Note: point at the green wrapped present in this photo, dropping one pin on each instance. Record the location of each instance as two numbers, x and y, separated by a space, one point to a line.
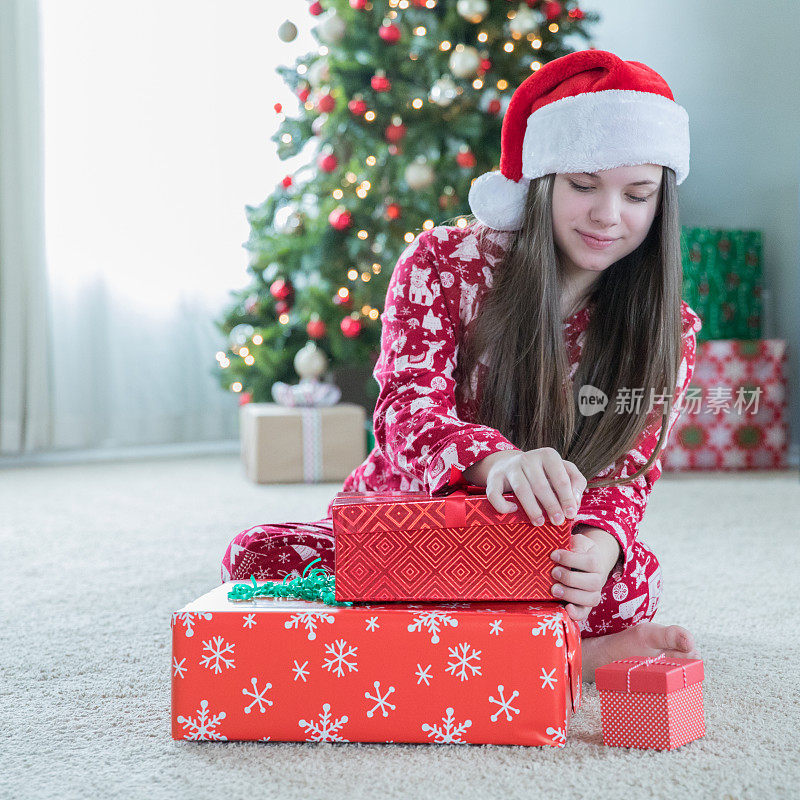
722 281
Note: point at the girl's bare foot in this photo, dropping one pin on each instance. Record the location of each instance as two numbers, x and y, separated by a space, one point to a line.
645 640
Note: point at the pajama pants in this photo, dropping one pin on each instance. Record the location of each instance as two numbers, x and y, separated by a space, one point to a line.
273 551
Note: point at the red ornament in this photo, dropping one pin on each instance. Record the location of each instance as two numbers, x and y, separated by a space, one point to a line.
379 82
245 398
304 93
486 65
466 159
328 163
281 289
395 133
357 106
494 107
344 302
283 307
326 103
351 327
576 14
278 108
389 33
316 328
394 149
287 181
315 9
340 218
392 211
552 10
358 5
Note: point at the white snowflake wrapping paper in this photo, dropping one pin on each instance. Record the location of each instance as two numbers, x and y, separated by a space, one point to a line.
291 670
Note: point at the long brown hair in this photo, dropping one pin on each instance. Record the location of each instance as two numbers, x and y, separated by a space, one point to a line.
633 339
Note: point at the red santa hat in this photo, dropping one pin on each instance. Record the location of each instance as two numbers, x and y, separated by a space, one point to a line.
583 112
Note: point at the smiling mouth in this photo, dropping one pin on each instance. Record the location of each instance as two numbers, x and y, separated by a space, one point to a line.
597 238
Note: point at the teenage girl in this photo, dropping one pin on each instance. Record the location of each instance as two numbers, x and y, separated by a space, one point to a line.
543 342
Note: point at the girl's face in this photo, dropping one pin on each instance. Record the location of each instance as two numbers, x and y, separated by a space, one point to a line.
614 204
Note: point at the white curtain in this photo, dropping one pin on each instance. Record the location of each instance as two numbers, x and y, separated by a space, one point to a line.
157 119
25 386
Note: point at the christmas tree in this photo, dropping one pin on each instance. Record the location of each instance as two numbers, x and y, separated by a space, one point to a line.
403 103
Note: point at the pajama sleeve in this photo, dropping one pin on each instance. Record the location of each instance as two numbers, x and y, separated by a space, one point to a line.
619 509
415 420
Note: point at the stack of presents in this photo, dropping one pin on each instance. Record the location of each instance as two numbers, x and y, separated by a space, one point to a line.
735 410
438 626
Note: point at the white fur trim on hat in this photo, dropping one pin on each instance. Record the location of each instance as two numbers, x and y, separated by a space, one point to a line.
602 130
497 201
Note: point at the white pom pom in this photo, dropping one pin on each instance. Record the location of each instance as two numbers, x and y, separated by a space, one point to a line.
497 201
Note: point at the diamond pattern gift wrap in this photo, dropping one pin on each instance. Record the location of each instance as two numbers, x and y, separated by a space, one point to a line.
651 703
735 411
411 546
275 669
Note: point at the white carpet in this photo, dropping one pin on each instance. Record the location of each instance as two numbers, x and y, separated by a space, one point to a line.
97 557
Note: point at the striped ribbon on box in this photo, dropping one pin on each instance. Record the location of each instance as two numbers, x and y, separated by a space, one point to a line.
312 444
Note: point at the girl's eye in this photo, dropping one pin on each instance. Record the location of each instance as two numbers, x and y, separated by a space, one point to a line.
580 188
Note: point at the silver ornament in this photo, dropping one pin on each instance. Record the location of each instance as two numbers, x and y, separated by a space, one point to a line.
332 29
473 10
419 174
443 91
287 31
464 61
525 21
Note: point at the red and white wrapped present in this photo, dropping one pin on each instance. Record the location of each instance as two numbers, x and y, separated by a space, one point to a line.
651 703
274 669
735 410
414 546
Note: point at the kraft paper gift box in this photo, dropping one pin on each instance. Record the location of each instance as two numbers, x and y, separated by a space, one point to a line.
274 669
651 702
734 414
281 444
413 546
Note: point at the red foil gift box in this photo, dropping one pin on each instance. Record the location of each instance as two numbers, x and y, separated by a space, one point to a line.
275 669
412 546
651 703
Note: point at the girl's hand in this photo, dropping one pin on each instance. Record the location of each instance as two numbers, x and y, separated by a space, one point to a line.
582 572
539 478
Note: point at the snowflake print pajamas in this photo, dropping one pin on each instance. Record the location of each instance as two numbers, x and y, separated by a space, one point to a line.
425 437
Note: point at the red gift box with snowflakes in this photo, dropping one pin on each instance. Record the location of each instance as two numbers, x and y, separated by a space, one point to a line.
651 703
414 546
734 413
275 669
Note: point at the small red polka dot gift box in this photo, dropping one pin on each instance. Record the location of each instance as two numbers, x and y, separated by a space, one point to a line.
652 703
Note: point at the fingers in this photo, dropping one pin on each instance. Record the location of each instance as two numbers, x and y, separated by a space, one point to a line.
587 581
494 493
577 613
535 475
561 481
577 596
584 555
520 485
577 479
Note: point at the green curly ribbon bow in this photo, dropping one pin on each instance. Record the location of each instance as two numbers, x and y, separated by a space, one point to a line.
317 585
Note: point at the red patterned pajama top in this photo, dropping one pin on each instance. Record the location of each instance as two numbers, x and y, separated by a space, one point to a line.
424 437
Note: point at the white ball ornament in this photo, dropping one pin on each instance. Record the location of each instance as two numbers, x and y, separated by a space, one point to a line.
332 29
287 32
473 10
310 362
464 61
443 91
319 72
524 22
419 174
